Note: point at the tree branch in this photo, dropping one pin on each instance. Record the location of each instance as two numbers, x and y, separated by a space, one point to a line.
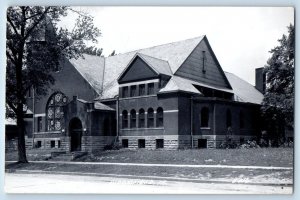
12 25
12 106
36 23
10 57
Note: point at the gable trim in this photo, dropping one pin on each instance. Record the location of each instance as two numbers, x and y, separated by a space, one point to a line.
131 61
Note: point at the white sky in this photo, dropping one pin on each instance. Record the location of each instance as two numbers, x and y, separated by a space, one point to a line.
239 36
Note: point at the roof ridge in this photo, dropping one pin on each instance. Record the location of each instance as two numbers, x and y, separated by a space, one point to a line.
151 56
155 46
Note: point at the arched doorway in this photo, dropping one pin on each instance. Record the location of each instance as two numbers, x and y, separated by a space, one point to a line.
75 130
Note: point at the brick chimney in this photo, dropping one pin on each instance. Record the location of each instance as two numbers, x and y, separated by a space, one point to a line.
260 80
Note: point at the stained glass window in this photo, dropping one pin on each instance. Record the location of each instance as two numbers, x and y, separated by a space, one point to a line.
55 114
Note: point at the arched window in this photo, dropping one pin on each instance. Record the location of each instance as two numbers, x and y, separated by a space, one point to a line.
204 117
150 118
55 112
242 118
124 119
228 118
132 119
141 118
159 117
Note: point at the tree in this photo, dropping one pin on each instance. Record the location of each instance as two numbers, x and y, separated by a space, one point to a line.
278 102
35 45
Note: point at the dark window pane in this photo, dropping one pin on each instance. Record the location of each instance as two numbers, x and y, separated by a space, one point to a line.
160 117
204 117
141 90
150 118
132 119
133 91
124 119
141 118
124 92
150 88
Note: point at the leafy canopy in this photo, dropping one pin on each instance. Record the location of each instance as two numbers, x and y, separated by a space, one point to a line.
36 45
278 103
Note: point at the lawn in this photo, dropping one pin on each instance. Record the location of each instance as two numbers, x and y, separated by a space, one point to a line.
280 157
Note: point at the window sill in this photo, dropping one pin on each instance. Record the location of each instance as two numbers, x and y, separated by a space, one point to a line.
205 128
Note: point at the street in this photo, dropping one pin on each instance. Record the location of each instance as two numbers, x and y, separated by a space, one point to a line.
53 183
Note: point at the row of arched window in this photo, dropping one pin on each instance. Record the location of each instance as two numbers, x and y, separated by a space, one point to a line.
205 118
142 118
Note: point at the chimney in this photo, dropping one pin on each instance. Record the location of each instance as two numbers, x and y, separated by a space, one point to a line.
260 80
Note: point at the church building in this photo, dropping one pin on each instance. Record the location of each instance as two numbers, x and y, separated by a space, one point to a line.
170 96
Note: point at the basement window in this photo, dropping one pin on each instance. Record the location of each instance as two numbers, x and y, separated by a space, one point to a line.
52 143
202 143
125 143
39 144
159 143
141 143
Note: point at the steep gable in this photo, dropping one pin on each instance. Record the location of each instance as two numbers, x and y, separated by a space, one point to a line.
174 53
137 70
192 67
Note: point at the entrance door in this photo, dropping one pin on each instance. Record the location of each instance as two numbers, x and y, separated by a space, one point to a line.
75 129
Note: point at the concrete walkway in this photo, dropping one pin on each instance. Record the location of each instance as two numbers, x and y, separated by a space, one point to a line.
162 165
53 183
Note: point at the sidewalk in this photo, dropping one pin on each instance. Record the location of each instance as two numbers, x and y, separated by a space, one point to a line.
162 165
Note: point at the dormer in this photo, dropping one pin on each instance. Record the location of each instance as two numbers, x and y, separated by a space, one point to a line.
143 76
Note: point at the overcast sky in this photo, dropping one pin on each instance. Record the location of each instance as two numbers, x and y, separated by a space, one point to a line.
239 36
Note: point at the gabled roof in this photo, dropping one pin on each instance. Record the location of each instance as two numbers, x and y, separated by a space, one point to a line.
175 53
244 91
177 84
160 66
102 73
91 68
101 106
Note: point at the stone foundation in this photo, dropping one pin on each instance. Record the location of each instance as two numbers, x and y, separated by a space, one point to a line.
170 142
88 143
96 143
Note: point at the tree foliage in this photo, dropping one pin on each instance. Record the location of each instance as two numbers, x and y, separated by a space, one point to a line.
35 46
278 102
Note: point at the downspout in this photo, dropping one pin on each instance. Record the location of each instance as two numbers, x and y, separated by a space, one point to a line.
192 139
117 118
33 121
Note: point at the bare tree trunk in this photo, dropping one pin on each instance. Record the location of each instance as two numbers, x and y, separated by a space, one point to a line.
21 136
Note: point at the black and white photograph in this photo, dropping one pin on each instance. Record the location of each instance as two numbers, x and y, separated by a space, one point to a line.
149 100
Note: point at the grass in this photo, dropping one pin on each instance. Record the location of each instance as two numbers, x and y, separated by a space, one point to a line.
280 157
